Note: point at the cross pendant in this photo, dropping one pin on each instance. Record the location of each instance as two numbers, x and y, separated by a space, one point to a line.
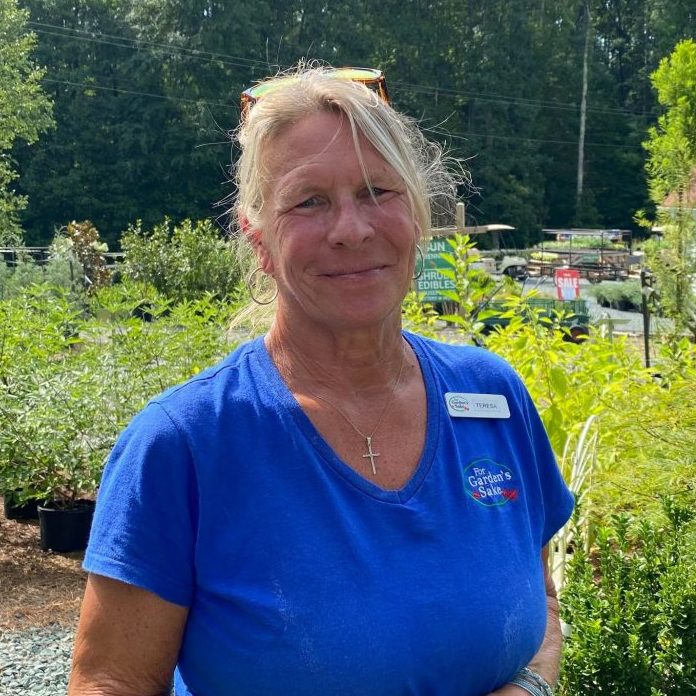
371 455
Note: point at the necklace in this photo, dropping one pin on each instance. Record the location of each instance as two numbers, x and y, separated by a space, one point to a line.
371 455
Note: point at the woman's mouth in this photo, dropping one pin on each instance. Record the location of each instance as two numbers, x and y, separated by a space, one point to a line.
348 273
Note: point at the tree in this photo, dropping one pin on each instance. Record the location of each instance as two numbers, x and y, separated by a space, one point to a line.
25 111
135 138
671 168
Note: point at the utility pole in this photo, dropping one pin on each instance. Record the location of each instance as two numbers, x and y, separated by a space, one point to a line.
646 280
583 111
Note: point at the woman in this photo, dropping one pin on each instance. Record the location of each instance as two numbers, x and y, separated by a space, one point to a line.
338 507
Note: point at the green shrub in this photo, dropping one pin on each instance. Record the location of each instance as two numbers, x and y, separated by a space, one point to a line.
631 606
62 270
624 295
183 262
83 241
70 381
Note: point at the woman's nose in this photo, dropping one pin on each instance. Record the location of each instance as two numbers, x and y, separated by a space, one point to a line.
351 225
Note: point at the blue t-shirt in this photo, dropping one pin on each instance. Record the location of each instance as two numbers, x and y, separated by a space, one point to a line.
303 577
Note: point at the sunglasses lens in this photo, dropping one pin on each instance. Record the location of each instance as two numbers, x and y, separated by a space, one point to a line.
263 88
367 76
357 74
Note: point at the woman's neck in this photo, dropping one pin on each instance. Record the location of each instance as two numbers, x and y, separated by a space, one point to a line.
360 360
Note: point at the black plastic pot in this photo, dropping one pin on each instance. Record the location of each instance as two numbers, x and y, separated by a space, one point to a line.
20 511
64 527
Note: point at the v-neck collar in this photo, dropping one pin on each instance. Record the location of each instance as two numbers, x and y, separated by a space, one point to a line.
327 456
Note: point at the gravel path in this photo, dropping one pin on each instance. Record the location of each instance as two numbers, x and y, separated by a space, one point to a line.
35 661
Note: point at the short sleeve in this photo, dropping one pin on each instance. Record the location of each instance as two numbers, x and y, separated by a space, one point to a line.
144 524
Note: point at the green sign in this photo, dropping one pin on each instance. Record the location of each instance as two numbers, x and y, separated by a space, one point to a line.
432 283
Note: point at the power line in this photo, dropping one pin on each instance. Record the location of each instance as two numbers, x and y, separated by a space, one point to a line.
131 46
239 61
439 132
485 96
134 92
470 134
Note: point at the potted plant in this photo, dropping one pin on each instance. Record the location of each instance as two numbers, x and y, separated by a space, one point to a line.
55 420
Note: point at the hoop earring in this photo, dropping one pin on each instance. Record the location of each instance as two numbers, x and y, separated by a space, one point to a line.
418 273
250 285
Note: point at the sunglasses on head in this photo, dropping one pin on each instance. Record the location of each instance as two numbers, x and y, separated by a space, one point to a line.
374 79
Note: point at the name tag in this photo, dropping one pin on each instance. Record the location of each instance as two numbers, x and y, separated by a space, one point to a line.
462 405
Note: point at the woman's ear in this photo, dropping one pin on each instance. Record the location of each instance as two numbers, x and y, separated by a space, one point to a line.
254 236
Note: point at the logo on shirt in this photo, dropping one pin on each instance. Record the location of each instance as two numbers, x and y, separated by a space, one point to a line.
489 483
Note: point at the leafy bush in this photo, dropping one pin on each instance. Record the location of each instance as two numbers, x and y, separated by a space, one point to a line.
474 288
624 295
648 435
49 401
184 262
631 605
70 382
82 238
61 270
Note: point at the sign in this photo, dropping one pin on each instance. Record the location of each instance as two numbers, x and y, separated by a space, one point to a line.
567 281
432 283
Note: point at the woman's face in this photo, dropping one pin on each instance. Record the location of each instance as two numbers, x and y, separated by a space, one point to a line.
342 253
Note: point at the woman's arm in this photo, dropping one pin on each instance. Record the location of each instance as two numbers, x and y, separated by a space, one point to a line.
127 641
547 661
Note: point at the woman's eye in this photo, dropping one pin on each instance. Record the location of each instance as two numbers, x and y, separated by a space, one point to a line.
308 202
377 191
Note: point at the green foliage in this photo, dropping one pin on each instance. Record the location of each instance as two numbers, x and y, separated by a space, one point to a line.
591 242
648 432
671 169
46 400
624 295
136 136
568 382
83 240
25 111
61 270
631 605
184 263
473 288
499 82
419 316
70 381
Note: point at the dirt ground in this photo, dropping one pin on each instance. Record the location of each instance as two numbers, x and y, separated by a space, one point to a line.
36 588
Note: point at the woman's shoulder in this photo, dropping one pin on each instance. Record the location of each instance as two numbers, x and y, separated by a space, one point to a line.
458 356
231 373
204 397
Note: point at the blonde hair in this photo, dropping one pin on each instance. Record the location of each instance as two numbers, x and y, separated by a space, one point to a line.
430 179
419 162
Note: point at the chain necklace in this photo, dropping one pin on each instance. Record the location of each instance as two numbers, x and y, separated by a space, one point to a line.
371 455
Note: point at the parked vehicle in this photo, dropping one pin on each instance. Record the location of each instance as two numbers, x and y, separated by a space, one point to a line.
598 254
509 265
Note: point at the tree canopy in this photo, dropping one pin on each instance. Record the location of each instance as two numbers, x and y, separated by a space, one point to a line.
671 168
25 111
146 92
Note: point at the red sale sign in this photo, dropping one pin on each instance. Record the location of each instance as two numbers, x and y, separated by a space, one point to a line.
567 281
